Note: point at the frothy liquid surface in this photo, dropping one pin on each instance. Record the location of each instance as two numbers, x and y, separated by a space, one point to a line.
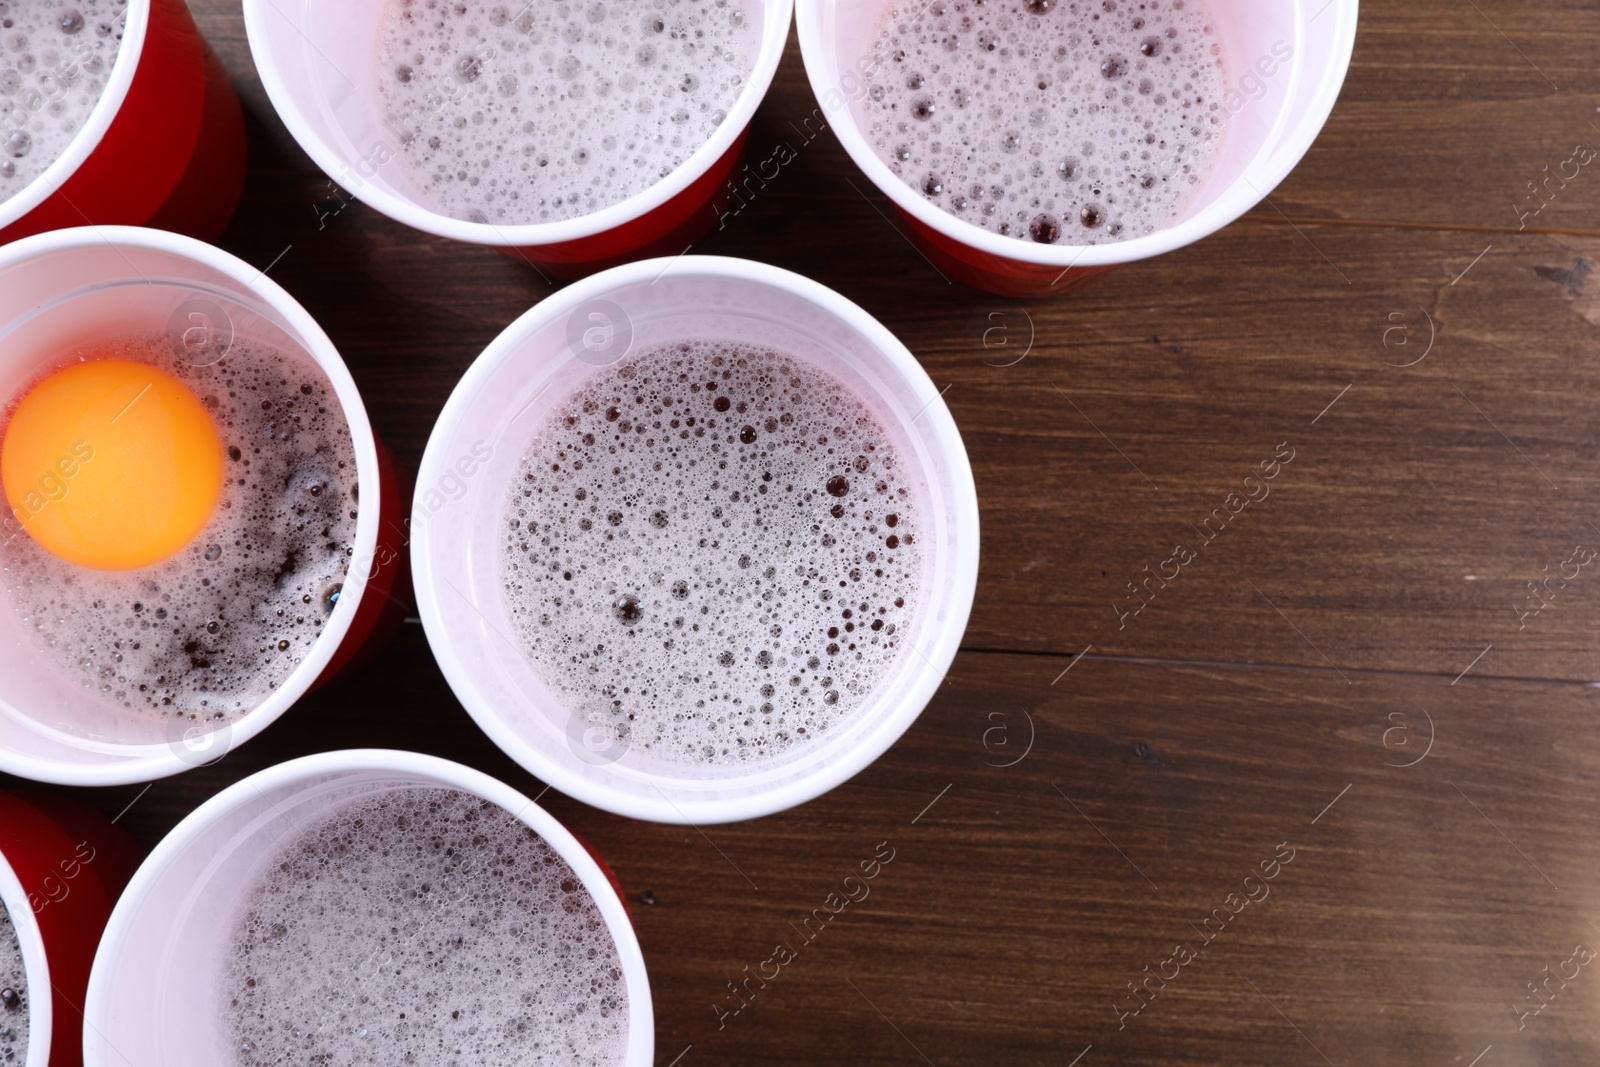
13 995
55 57
209 633
422 926
713 551
538 112
1083 122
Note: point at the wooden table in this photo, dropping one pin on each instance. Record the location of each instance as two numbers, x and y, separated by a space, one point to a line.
1351 674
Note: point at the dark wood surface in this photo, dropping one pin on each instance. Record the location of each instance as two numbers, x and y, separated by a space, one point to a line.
1367 615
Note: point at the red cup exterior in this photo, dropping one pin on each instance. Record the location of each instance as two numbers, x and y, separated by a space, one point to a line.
611 876
668 230
73 864
995 274
174 155
388 598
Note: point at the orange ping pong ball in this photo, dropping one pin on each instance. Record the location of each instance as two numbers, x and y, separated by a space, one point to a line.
111 464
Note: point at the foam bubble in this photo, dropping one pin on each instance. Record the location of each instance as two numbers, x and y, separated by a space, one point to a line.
55 58
209 633
1085 122
422 926
716 546
555 110
13 1007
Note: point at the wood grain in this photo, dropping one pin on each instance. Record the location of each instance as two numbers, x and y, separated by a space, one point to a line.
1376 598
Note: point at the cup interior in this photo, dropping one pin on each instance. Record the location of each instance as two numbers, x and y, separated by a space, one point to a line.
60 728
119 79
155 995
1279 60
35 967
318 60
503 404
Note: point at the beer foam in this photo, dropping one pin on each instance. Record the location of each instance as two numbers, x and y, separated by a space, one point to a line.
209 633
556 110
422 926
713 550
13 995
55 59
1082 122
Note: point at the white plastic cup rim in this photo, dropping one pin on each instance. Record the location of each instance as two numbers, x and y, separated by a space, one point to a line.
143 763
779 15
938 654
1244 194
641 1029
35 966
94 129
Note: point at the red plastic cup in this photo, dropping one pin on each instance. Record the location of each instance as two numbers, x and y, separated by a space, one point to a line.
1285 61
316 59
154 998
474 457
70 286
62 868
164 147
